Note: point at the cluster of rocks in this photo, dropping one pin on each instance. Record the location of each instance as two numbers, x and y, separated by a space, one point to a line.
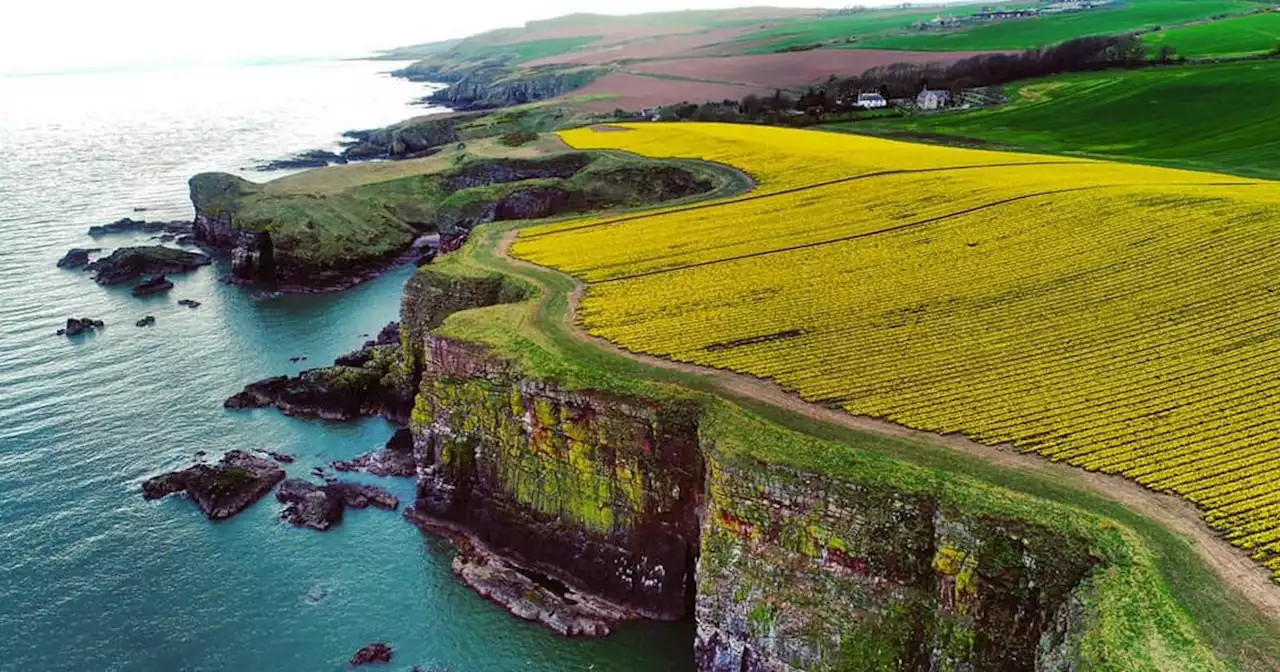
320 507
148 321
220 490
77 326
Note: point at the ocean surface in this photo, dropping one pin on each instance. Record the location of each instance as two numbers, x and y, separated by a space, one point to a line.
94 578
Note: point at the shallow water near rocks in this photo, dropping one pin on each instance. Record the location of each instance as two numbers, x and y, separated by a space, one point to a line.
94 578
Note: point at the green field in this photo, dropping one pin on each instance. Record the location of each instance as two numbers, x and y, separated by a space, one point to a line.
1129 16
840 29
1206 117
1237 36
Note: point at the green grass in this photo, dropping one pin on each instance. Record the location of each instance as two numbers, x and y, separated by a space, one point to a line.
530 50
1157 588
1237 36
1129 16
839 28
1218 118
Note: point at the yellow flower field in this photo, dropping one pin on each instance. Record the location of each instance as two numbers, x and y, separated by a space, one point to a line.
1121 318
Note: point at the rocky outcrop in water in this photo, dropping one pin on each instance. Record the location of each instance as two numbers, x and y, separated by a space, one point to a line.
148 321
378 652
128 225
220 490
128 264
315 158
77 257
77 326
152 286
320 507
377 386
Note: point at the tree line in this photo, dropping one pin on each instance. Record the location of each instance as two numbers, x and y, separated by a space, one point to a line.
905 80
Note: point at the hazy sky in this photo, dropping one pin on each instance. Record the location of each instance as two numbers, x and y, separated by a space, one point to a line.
51 35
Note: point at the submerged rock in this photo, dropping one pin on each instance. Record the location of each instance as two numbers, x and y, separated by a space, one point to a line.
77 257
148 321
221 490
188 303
132 263
378 652
75 326
397 458
320 507
154 285
282 458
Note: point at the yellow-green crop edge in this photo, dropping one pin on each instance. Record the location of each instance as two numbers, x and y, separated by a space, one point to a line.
1156 604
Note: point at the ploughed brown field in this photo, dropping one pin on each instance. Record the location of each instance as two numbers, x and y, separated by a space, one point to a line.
682 45
632 92
792 69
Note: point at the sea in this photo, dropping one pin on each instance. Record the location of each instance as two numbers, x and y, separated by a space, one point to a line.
94 578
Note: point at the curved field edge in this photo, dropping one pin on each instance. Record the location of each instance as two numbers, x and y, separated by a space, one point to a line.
1158 602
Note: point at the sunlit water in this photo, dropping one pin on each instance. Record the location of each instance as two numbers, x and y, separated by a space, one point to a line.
91 576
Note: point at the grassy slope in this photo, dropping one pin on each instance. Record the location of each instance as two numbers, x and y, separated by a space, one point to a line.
1208 117
1130 16
1237 36
534 333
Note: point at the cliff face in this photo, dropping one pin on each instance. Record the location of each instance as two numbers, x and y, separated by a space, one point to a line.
802 571
599 492
216 198
496 82
631 499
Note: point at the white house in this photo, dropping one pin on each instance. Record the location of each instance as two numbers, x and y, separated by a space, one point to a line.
932 99
871 101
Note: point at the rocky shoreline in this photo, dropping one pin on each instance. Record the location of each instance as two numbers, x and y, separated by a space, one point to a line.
523 592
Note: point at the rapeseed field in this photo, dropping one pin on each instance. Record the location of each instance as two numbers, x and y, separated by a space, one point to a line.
1121 318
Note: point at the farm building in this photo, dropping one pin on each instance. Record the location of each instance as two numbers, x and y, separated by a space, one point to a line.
871 101
932 99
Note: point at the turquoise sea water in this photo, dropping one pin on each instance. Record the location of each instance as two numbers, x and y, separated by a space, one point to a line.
94 578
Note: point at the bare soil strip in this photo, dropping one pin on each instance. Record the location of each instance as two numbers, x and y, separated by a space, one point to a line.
1248 578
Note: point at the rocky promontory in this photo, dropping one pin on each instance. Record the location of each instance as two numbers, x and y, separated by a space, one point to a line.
320 507
128 225
374 385
220 490
128 264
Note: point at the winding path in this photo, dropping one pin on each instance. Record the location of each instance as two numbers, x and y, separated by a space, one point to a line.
1250 580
